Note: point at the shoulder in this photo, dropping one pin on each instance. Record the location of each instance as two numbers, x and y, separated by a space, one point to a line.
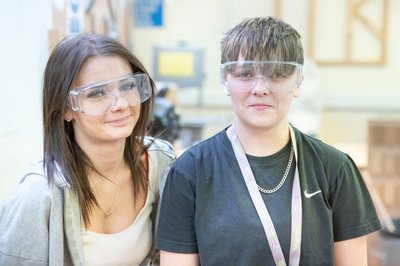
205 156
34 193
161 156
207 148
31 196
310 147
32 189
329 166
160 148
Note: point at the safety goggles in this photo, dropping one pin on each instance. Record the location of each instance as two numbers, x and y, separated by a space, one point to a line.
100 98
243 76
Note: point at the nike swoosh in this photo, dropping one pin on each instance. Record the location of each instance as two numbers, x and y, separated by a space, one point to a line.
309 195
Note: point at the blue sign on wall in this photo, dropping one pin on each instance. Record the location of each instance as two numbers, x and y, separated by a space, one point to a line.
148 13
74 17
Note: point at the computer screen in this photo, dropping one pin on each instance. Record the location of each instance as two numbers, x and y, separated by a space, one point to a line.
181 64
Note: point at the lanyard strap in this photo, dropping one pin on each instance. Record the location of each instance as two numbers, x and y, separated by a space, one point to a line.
269 229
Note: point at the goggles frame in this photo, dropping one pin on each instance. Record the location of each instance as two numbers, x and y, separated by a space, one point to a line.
140 80
224 72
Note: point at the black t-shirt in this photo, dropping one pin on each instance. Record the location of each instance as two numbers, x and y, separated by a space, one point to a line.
268 172
207 209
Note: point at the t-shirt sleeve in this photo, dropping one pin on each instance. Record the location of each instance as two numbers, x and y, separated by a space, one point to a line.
176 228
354 213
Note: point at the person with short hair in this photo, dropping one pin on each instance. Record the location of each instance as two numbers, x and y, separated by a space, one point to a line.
89 201
260 192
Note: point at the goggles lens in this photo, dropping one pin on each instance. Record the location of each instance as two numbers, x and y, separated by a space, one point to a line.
100 98
277 76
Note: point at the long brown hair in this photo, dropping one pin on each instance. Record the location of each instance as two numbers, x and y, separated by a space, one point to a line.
62 154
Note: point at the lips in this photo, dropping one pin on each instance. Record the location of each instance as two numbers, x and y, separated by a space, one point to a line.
119 120
260 105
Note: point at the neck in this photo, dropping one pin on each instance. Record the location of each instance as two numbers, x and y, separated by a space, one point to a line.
263 142
106 158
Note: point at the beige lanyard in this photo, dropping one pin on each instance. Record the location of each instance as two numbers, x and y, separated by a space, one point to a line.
269 229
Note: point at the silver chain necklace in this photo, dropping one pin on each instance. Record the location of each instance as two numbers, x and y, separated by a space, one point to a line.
269 191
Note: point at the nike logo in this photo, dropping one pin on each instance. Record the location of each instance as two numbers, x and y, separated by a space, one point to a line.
309 195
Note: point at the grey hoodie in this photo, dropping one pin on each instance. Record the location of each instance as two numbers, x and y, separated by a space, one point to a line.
41 224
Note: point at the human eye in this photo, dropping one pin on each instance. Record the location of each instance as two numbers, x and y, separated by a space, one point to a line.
95 92
243 74
281 72
278 76
127 86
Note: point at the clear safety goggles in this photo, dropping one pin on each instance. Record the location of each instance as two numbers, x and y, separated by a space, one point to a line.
243 76
100 98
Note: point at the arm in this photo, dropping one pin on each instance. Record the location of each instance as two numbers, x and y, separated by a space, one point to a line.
351 230
178 259
351 252
176 228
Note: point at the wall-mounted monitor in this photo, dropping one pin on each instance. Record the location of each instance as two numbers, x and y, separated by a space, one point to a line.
180 64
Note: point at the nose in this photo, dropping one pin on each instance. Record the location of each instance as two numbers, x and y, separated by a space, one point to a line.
260 86
120 103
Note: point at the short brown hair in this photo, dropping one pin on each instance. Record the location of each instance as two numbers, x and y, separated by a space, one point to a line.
262 39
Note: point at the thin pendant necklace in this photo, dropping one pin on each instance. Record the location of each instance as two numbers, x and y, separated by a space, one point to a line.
269 191
107 213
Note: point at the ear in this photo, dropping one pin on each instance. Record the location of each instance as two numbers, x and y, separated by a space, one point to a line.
68 115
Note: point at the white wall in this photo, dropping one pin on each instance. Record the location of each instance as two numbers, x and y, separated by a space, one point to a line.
23 53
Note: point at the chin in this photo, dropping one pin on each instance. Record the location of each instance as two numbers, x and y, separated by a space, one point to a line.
120 133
